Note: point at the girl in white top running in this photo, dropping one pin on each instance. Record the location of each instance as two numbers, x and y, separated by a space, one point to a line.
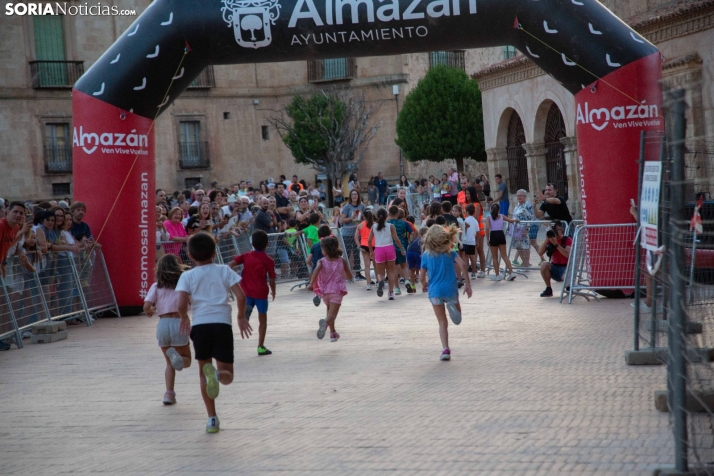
384 236
162 299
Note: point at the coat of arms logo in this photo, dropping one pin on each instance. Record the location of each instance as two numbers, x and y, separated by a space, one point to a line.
251 20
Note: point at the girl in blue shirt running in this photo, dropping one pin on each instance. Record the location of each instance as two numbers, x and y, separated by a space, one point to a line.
439 261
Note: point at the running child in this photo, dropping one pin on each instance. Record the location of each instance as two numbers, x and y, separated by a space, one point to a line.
316 254
385 238
328 280
470 245
162 299
257 265
497 242
414 256
439 261
362 239
403 231
207 286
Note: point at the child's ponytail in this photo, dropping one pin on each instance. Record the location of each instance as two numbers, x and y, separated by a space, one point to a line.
368 218
381 218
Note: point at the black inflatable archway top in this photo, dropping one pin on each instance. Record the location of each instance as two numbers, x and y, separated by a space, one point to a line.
558 35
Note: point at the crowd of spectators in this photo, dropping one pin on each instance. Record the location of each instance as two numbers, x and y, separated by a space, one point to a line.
41 238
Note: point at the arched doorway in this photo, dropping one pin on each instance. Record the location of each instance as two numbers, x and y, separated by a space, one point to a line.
556 169
517 162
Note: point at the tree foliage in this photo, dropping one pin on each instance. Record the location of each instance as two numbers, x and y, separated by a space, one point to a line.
442 118
329 131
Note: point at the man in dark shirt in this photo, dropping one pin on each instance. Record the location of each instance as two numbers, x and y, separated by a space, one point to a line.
80 229
552 204
383 187
448 216
265 220
282 203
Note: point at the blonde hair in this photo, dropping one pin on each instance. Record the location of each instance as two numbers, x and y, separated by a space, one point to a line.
439 240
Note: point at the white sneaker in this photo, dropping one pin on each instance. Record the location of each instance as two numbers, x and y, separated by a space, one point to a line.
213 425
473 275
211 375
496 277
481 274
510 277
454 313
643 306
368 288
175 358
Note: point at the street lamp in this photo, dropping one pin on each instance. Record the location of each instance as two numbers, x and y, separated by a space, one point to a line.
395 91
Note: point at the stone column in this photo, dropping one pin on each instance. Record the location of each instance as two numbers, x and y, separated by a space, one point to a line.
537 171
497 160
571 162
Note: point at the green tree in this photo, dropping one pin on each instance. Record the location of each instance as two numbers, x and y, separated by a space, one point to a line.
329 131
442 119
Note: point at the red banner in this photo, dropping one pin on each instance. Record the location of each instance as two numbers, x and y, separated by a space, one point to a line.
114 175
610 115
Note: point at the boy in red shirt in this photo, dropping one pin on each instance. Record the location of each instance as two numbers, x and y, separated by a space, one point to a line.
256 265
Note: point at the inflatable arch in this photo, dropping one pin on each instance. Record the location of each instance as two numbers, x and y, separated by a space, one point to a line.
612 71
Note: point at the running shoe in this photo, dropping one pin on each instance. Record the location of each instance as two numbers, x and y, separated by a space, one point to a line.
391 296
359 277
401 280
334 336
496 277
175 359
212 387
481 274
547 293
516 263
262 350
510 277
316 300
321 329
460 284
380 288
397 291
473 275
446 354
454 313
248 312
169 397
410 289
213 425
368 288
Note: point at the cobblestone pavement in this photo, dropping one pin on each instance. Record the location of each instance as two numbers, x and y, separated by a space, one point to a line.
533 387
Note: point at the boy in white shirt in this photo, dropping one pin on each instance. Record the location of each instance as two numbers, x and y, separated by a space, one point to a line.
207 286
469 238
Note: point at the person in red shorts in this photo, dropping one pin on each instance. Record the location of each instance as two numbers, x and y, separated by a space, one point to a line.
256 265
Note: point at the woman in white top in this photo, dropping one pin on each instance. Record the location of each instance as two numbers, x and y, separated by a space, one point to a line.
385 238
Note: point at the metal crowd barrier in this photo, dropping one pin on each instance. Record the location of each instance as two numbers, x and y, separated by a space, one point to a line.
288 253
63 286
611 246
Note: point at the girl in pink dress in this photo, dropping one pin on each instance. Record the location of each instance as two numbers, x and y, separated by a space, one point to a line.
329 281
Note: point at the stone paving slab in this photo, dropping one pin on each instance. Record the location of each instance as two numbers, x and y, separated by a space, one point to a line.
534 387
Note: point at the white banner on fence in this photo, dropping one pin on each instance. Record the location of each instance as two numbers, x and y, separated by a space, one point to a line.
649 204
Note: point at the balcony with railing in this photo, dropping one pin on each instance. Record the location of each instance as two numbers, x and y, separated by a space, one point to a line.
58 159
454 59
193 155
55 74
336 69
205 80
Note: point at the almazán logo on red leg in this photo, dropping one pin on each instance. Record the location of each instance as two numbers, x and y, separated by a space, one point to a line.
629 116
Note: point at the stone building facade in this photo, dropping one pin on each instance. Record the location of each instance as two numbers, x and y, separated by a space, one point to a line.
529 118
217 130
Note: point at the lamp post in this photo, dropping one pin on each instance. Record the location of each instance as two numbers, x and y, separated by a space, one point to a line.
395 91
